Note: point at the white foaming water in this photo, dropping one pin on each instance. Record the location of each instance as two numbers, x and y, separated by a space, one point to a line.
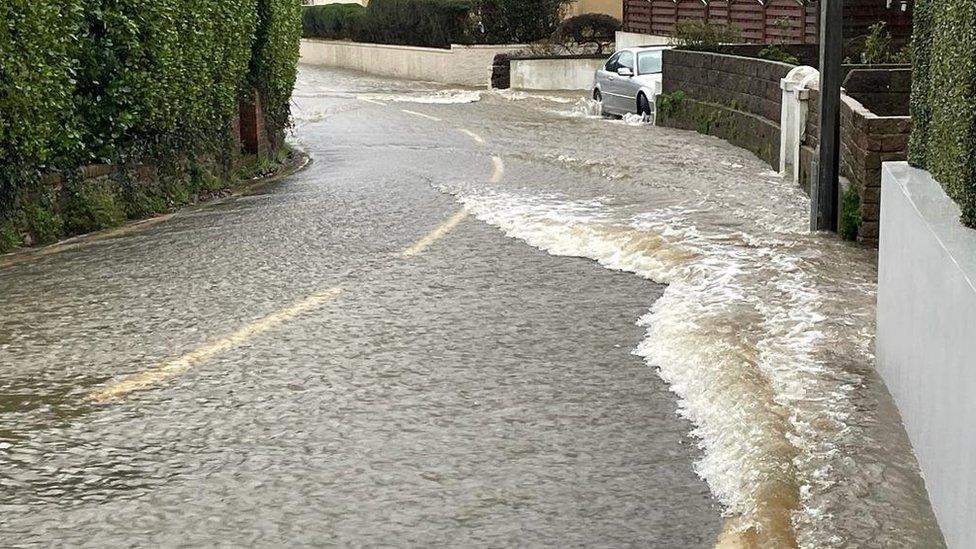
518 95
441 97
583 108
740 336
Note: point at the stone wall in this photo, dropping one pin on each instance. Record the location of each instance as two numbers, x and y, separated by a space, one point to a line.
867 140
884 90
461 65
733 97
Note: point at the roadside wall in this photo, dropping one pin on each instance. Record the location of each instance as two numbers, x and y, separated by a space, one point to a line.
736 98
925 345
565 73
633 39
461 65
867 140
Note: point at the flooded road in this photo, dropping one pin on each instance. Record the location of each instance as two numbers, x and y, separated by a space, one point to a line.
348 358
765 332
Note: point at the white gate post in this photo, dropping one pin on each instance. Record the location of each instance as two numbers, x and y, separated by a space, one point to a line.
793 119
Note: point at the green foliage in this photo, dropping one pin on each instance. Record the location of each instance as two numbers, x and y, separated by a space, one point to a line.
430 23
519 21
669 103
274 61
773 52
332 21
598 29
9 238
877 45
43 223
850 215
91 206
944 98
699 35
38 128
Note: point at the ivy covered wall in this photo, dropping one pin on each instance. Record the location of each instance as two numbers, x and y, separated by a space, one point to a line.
943 137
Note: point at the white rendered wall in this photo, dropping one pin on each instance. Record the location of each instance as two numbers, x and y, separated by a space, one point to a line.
554 74
926 344
462 65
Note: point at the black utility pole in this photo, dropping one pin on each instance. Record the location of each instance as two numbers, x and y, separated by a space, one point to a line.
823 216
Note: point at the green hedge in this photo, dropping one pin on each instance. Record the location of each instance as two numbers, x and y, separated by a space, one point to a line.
332 21
944 98
128 81
430 23
38 126
274 62
520 21
99 81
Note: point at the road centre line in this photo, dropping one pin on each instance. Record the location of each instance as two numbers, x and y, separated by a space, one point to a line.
473 135
499 169
147 379
373 101
454 220
435 235
422 115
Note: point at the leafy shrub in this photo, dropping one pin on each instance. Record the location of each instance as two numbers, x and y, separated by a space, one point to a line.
519 21
669 103
332 21
773 52
9 238
598 29
850 215
430 23
44 224
877 45
91 206
699 35
943 138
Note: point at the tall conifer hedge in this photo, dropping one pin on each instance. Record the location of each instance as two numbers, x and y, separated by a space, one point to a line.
943 137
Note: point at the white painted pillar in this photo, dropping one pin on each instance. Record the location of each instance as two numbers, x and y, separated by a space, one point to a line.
793 118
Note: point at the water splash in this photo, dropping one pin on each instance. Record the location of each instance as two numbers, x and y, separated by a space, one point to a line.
746 336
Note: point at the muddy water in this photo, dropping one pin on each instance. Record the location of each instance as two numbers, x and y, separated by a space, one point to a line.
765 332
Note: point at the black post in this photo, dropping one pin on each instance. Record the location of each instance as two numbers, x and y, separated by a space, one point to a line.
824 196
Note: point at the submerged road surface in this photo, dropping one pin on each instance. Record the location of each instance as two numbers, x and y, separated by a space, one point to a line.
346 358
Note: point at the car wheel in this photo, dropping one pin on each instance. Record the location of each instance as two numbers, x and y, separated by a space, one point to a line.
598 97
643 105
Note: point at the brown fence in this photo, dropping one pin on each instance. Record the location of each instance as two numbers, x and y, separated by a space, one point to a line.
772 21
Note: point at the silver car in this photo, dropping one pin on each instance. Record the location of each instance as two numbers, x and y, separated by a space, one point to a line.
629 80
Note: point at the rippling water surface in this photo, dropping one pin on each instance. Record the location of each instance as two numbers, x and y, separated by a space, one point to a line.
764 333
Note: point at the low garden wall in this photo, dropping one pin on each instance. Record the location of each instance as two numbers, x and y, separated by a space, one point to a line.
729 96
925 345
867 140
555 73
460 65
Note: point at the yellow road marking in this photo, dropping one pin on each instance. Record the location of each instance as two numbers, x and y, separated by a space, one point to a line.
499 171
420 114
435 235
373 101
149 378
473 135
